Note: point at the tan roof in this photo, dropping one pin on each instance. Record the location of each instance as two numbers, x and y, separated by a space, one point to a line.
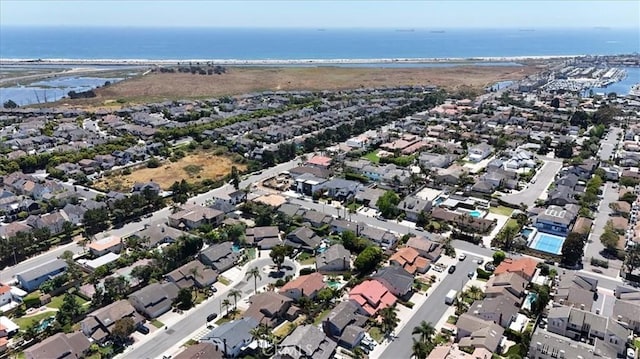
105 243
307 284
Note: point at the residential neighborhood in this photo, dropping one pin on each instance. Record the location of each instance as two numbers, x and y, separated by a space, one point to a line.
405 222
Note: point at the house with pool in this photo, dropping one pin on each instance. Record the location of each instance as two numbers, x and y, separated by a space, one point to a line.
551 227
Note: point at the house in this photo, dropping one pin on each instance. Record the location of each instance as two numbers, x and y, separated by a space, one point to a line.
319 161
341 189
220 256
7 327
561 196
194 216
158 233
154 299
414 207
372 296
435 160
579 324
557 220
547 345
409 259
60 345
576 289
628 312
315 218
304 286
396 279
345 325
100 247
303 238
501 309
269 308
54 222
232 336
475 332
140 187
369 196
237 197
425 247
31 279
335 259
192 274
263 237
309 184
383 238
525 267
98 325
507 284
306 341
200 351
479 152
5 295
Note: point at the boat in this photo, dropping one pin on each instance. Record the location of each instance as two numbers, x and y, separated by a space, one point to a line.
635 90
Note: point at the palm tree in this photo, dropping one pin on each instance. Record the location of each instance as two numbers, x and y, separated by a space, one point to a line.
420 349
235 294
461 306
425 330
226 304
357 353
475 293
255 273
389 319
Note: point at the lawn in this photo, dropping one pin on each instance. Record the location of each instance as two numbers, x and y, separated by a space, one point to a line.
502 210
26 322
376 334
512 223
452 319
306 259
156 323
637 343
194 166
372 156
321 316
56 302
224 280
284 329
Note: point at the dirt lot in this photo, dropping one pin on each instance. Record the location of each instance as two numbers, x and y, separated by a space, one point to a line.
193 167
239 80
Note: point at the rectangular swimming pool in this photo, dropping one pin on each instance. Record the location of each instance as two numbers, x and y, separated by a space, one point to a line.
549 243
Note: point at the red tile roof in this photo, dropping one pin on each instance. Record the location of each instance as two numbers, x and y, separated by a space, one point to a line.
4 288
319 161
372 296
307 284
525 266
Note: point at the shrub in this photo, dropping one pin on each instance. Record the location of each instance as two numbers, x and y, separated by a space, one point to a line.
305 271
483 274
346 276
599 263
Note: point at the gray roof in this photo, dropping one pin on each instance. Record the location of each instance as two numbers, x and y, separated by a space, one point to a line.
564 215
43 270
59 345
218 251
551 342
156 293
234 332
626 310
304 236
336 251
290 209
501 304
307 341
395 276
351 334
345 314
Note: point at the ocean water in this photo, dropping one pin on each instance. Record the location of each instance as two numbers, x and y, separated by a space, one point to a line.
280 44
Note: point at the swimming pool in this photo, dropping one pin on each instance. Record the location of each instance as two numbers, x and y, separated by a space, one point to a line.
45 323
548 243
526 232
438 201
529 300
475 214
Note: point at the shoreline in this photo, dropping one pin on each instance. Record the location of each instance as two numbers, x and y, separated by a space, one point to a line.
150 62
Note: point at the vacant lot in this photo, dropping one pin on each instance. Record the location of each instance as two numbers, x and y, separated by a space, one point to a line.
239 80
194 167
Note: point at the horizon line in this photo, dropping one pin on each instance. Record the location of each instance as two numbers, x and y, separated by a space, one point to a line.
405 28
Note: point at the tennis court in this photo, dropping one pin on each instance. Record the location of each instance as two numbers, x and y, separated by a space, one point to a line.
548 243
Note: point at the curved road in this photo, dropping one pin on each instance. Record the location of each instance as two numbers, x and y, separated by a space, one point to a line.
162 340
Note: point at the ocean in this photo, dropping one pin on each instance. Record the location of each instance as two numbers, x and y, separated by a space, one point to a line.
296 44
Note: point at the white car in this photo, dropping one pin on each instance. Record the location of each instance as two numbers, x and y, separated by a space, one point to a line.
462 257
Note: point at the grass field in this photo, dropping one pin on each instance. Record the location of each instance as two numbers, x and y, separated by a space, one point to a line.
56 302
239 80
372 156
193 167
26 322
502 210
156 323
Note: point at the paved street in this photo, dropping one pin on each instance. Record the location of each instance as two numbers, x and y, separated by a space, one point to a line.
608 144
594 247
8 274
543 179
159 342
431 310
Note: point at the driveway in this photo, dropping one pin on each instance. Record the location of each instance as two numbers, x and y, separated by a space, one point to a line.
156 345
543 179
594 248
431 309
608 144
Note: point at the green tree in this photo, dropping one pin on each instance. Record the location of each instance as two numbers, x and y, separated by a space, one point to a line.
184 300
226 304
68 311
389 319
387 204
352 242
95 220
420 349
67 230
632 260
368 259
279 253
235 177
235 294
572 249
498 257
609 237
255 274
122 329
425 331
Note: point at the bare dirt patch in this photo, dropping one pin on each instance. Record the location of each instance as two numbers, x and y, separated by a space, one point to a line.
239 80
194 167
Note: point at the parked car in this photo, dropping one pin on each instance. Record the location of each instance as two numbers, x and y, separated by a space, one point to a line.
143 329
489 267
462 256
470 275
452 269
212 316
479 260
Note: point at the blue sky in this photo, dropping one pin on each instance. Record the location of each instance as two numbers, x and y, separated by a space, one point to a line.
324 14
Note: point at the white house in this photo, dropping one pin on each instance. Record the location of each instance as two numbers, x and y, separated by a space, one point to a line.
479 152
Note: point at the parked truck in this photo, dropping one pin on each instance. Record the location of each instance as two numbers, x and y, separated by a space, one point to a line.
451 297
